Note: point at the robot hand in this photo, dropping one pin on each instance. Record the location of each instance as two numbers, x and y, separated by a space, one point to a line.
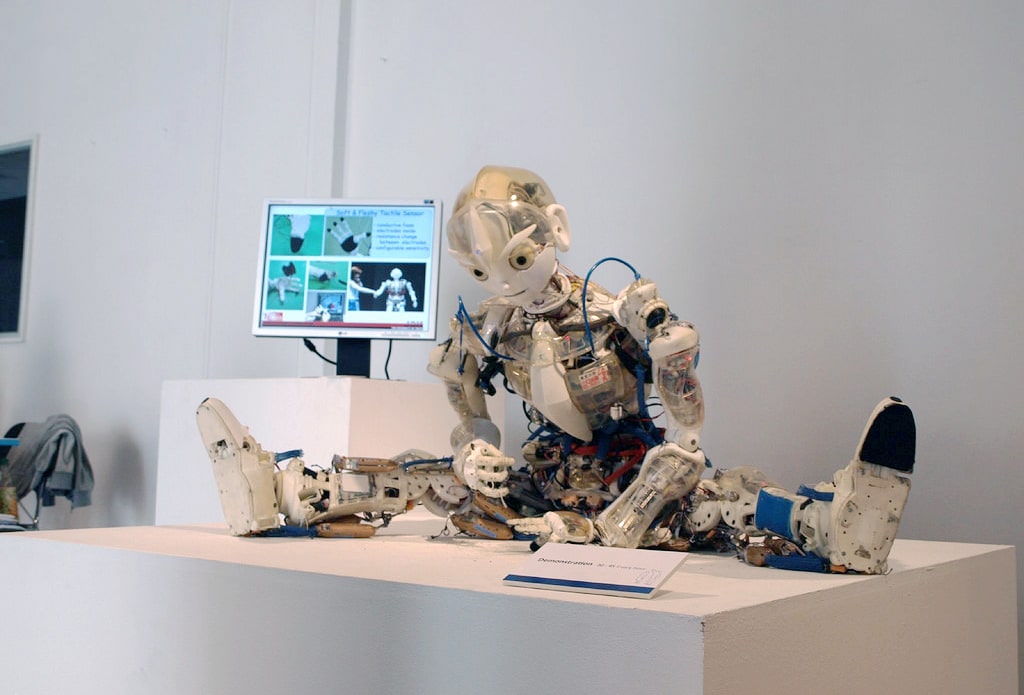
559 527
640 309
483 467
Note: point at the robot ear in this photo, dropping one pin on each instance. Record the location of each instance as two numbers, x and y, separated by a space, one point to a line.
559 221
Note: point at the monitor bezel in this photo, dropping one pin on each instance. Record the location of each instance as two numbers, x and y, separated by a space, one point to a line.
313 331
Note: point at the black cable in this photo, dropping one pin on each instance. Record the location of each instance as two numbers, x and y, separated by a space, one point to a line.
312 348
387 360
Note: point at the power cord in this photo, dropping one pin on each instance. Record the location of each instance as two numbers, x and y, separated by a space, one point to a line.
312 348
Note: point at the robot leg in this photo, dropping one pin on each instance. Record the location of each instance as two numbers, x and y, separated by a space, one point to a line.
797 528
243 470
722 513
851 523
668 473
870 493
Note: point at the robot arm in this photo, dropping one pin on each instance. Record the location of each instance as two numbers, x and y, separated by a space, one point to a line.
640 309
674 348
459 370
412 294
672 469
674 351
476 439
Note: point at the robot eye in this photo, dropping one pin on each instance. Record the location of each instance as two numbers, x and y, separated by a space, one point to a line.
479 274
522 256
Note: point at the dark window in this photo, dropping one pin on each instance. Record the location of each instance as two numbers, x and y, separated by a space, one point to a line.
14 183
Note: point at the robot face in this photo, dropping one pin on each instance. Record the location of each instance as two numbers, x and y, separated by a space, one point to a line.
508 247
396 274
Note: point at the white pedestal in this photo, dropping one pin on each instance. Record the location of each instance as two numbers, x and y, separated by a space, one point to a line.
322 416
194 610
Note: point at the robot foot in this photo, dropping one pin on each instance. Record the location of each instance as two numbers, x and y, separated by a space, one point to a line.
870 493
243 470
890 437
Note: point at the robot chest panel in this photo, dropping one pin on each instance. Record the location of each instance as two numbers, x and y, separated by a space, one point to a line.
569 341
593 386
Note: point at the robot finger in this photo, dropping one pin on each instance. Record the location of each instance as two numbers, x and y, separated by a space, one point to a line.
488 474
493 491
531 525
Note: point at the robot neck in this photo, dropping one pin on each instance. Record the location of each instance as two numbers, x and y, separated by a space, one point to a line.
552 298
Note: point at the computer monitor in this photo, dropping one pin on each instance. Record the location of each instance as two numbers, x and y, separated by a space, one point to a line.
350 270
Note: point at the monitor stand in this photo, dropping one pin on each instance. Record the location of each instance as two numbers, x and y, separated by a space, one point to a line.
353 357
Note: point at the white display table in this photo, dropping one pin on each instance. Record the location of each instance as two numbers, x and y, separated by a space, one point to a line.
191 609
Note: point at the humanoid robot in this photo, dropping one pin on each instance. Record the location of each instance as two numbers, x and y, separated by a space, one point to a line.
397 287
285 283
586 363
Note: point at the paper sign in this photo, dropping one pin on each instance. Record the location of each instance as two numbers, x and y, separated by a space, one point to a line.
595 569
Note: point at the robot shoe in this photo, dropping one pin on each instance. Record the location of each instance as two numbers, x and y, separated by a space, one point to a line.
870 493
243 470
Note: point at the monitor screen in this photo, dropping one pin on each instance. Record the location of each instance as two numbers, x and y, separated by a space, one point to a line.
348 269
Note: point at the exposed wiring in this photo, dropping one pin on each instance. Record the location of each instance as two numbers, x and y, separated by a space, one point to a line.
462 316
312 348
640 369
583 294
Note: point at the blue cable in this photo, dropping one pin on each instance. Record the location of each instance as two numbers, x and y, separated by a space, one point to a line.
586 281
463 317
642 406
288 532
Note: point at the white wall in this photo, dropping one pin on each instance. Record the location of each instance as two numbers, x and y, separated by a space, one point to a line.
162 126
830 191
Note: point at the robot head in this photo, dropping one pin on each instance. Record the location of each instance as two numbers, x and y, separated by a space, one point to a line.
505 230
396 274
